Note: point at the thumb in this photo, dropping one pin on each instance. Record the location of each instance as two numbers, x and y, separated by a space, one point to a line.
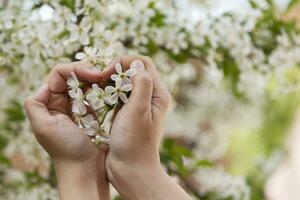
141 95
35 106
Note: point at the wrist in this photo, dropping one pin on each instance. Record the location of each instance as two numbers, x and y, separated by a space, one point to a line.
80 181
145 182
132 181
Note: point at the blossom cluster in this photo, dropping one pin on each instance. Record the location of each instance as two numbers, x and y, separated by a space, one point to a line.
222 185
91 109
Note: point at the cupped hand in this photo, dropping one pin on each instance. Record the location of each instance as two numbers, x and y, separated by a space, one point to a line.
138 126
76 159
133 163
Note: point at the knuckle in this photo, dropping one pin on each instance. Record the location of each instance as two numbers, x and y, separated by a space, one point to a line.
164 98
148 60
60 66
39 132
27 103
44 129
167 97
57 66
144 79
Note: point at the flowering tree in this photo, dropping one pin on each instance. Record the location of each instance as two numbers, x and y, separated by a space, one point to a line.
229 75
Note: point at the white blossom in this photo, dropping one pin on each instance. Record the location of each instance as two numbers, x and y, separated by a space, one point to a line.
100 57
79 103
73 82
118 91
89 125
96 97
123 76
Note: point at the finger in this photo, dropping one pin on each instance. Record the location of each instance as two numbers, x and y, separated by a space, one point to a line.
161 96
61 72
141 96
36 109
126 62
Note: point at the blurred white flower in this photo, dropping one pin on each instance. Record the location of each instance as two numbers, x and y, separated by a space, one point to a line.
80 32
222 184
176 41
89 54
98 57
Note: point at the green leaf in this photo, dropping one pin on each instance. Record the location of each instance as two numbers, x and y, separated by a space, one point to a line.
14 112
3 143
68 3
4 160
158 19
172 154
231 71
152 48
293 3
204 163
253 4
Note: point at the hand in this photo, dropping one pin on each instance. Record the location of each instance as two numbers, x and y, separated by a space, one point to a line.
79 165
133 163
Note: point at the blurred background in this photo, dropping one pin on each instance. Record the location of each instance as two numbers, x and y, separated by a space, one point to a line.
232 67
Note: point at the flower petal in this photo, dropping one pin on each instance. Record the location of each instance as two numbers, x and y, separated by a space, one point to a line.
86 120
91 96
127 87
72 93
130 72
114 77
114 98
107 100
78 108
118 83
126 81
118 68
102 139
110 89
81 109
74 75
90 131
71 82
123 97
95 87
75 93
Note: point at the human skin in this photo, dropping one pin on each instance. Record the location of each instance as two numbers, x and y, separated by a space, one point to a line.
79 165
133 163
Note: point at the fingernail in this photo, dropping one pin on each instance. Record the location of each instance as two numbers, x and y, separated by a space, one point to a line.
138 65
